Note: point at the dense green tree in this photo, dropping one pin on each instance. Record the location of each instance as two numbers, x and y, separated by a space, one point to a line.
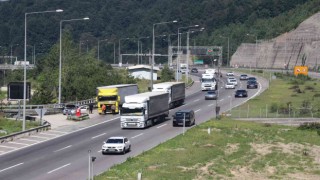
166 74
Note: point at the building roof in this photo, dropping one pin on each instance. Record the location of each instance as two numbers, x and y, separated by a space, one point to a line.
141 66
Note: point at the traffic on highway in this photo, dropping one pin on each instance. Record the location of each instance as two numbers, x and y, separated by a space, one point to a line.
65 156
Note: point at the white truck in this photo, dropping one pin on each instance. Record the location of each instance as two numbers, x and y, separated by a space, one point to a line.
184 68
144 109
208 82
176 90
210 71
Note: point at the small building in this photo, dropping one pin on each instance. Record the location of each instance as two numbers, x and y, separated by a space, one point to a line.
143 72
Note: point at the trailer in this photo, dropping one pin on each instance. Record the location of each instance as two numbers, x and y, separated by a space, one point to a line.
176 90
113 96
144 109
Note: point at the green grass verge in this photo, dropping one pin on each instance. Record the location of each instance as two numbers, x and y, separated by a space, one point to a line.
232 150
13 126
287 96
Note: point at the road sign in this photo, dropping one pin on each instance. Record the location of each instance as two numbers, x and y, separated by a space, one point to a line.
198 62
41 112
15 90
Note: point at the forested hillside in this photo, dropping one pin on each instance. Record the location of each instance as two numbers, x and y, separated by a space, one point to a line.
115 20
134 18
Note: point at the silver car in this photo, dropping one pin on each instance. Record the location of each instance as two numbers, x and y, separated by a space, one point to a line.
211 95
116 145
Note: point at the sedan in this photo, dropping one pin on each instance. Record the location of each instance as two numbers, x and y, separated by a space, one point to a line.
243 77
230 74
116 145
241 93
83 110
252 85
211 95
230 86
233 81
194 70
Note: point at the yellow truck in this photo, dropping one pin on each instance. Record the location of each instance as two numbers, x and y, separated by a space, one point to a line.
113 96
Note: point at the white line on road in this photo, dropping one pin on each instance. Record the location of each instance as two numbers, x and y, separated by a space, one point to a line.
62 148
29 140
197 110
137 135
161 126
98 135
19 143
58 131
196 100
58 168
50 134
221 100
99 150
11 167
8 147
210 105
41 137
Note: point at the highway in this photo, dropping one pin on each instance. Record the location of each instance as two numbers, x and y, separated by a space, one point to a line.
66 157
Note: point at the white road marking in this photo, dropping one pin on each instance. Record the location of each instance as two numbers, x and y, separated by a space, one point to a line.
137 135
196 100
49 134
161 126
8 147
19 143
98 135
58 168
62 148
47 139
221 100
100 151
29 140
11 167
58 131
210 105
41 137
197 110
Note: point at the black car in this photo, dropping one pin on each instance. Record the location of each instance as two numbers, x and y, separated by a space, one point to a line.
241 93
194 70
252 79
252 84
184 118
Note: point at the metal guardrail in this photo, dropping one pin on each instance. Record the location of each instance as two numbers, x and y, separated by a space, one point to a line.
28 132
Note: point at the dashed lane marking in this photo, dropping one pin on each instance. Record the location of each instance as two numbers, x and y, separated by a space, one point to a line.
210 105
62 148
196 100
99 135
161 126
58 168
11 167
137 135
197 110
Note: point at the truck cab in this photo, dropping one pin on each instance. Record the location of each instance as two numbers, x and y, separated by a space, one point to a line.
208 82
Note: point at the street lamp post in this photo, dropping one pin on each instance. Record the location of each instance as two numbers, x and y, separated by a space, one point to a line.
255 49
119 49
99 47
153 48
179 44
228 60
60 53
141 47
25 62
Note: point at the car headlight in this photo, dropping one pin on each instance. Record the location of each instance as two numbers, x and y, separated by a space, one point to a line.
104 146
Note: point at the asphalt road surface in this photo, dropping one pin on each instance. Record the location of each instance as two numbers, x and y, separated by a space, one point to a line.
67 157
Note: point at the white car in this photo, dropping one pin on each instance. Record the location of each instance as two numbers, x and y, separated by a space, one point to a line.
83 110
116 145
230 86
233 81
230 74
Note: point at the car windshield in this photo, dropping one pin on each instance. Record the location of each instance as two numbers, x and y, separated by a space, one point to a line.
252 78
115 141
229 84
241 91
131 112
181 114
232 80
243 75
107 98
207 80
70 106
211 92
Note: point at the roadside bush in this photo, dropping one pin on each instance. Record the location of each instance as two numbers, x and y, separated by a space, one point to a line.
310 88
310 126
274 107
